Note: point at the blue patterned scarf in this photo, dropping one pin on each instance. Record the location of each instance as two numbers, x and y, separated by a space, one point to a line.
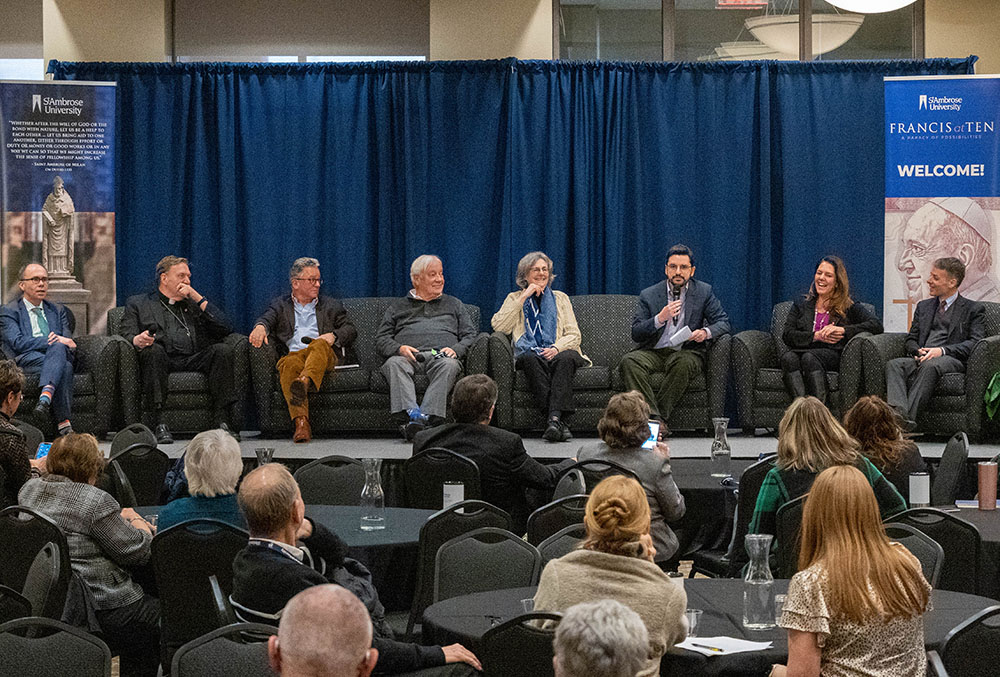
539 324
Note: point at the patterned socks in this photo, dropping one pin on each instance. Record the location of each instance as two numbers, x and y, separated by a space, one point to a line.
47 393
65 428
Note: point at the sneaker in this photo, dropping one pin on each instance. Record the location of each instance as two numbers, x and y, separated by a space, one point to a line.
553 431
162 434
42 408
566 434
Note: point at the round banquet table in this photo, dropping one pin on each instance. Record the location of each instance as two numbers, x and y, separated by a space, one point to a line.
390 554
465 619
709 505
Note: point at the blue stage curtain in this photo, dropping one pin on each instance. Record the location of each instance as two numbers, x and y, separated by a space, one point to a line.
761 167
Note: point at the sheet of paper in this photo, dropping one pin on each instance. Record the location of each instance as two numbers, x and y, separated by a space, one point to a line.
722 646
682 335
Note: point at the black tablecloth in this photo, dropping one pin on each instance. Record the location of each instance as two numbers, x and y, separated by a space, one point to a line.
708 515
465 619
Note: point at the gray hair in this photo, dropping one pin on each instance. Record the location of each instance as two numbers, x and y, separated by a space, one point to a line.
213 464
600 639
420 264
324 630
301 264
524 267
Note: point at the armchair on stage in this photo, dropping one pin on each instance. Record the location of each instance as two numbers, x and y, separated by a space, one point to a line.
761 398
95 375
605 322
188 407
957 404
356 398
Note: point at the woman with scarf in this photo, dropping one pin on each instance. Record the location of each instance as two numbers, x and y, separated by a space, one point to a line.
546 341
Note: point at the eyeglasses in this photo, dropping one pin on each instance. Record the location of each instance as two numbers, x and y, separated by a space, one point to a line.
680 267
36 280
309 280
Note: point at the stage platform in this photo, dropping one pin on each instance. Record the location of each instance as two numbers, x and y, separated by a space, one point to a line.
395 448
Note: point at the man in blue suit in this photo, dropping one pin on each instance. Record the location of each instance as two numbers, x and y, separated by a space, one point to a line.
36 335
658 326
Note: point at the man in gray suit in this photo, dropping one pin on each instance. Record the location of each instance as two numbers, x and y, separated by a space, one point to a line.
658 326
945 329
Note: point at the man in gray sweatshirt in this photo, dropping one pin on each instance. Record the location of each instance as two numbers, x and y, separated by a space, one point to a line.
429 332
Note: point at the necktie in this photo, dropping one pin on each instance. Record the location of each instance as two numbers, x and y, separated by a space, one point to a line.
943 306
43 324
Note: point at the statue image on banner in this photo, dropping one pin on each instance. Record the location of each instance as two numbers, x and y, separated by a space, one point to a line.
919 231
58 231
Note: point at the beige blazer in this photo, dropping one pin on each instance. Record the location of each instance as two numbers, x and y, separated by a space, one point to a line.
510 320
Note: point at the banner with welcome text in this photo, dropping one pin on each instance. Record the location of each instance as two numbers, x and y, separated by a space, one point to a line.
942 187
57 192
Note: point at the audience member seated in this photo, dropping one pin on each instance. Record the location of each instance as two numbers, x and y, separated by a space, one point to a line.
873 423
213 466
856 606
615 561
104 541
16 461
288 553
623 429
810 440
600 639
425 332
505 469
817 329
546 341
324 631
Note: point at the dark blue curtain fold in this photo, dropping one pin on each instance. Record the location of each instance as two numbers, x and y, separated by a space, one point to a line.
761 167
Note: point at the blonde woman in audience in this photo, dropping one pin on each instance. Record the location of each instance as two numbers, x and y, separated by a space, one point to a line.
856 606
105 540
615 561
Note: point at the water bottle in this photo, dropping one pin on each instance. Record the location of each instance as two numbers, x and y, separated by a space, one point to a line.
721 453
758 584
416 415
372 497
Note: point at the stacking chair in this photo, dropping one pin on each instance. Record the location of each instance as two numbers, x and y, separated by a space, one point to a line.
959 540
13 604
183 558
562 542
440 528
554 516
223 653
114 481
520 648
570 483
484 559
789 528
949 474
972 648
594 471
43 646
927 551
331 480
935 668
24 536
145 466
726 562
425 475
32 436
129 435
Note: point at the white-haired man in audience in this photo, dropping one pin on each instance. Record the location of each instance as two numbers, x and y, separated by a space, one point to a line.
600 639
288 553
325 631
426 332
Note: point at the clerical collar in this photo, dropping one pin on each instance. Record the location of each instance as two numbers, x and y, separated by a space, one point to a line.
168 301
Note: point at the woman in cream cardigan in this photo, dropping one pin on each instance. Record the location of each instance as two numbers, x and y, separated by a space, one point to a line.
546 340
615 561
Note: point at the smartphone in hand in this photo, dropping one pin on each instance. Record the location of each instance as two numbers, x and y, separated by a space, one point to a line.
654 435
43 450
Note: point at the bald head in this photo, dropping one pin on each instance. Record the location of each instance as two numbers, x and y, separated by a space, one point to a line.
270 500
325 631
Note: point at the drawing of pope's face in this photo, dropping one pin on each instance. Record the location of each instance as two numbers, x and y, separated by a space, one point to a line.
921 244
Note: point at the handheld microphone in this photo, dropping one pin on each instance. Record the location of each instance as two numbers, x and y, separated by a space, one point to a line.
421 357
675 295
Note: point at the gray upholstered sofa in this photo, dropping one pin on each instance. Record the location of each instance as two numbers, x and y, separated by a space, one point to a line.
761 399
188 408
356 399
605 322
958 403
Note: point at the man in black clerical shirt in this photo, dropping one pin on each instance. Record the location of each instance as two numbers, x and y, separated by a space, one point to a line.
176 329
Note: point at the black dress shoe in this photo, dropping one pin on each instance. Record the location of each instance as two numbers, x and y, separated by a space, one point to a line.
223 426
42 408
567 436
163 435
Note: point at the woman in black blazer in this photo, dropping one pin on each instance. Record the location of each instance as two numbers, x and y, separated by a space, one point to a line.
817 329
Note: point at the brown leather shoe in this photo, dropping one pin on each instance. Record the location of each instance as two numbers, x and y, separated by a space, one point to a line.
303 432
300 391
